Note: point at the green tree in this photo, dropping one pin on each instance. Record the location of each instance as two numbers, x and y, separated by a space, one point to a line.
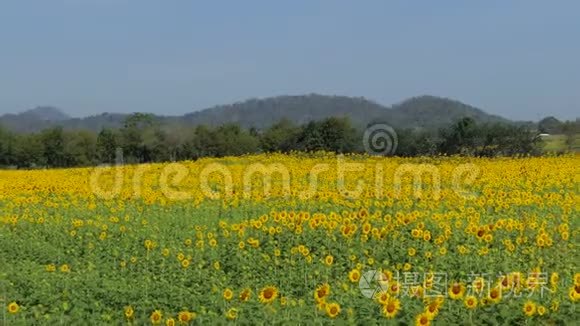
52 140
107 144
80 148
280 137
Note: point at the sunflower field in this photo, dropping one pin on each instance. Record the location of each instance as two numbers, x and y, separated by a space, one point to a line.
293 239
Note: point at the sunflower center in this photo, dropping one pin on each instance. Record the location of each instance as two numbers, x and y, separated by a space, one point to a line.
456 289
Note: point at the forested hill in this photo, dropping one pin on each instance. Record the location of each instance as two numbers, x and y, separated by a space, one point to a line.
423 111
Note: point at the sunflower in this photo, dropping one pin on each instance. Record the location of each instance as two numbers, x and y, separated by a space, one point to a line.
488 238
422 320
516 278
470 302
232 314
156 317
328 260
212 242
13 307
574 293
65 268
391 307
148 244
245 295
541 310
185 263
382 297
416 233
456 290
554 278
228 294
354 275
478 284
268 294
494 294
394 288
185 317
332 309
505 282
366 228
321 305
170 322
529 308
432 309
321 292
129 312
385 276
555 305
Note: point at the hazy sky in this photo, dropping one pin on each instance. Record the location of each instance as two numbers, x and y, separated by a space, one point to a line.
519 59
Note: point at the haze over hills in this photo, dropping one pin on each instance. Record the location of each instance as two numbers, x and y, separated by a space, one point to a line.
417 112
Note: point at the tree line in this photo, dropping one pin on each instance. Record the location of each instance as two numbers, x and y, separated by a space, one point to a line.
142 140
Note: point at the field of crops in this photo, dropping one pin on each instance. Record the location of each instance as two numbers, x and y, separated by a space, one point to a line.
356 239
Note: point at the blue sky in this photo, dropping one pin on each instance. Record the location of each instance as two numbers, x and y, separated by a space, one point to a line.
519 59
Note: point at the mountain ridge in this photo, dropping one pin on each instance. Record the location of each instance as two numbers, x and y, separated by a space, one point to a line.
425 111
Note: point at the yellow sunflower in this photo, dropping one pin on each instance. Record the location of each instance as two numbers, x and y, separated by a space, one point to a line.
268 294
422 320
354 275
328 260
391 307
470 302
232 314
129 312
185 316
541 310
574 293
382 297
13 307
332 309
156 317
321 292
432 309
529 308
495 294
456 290
245 295
228 294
